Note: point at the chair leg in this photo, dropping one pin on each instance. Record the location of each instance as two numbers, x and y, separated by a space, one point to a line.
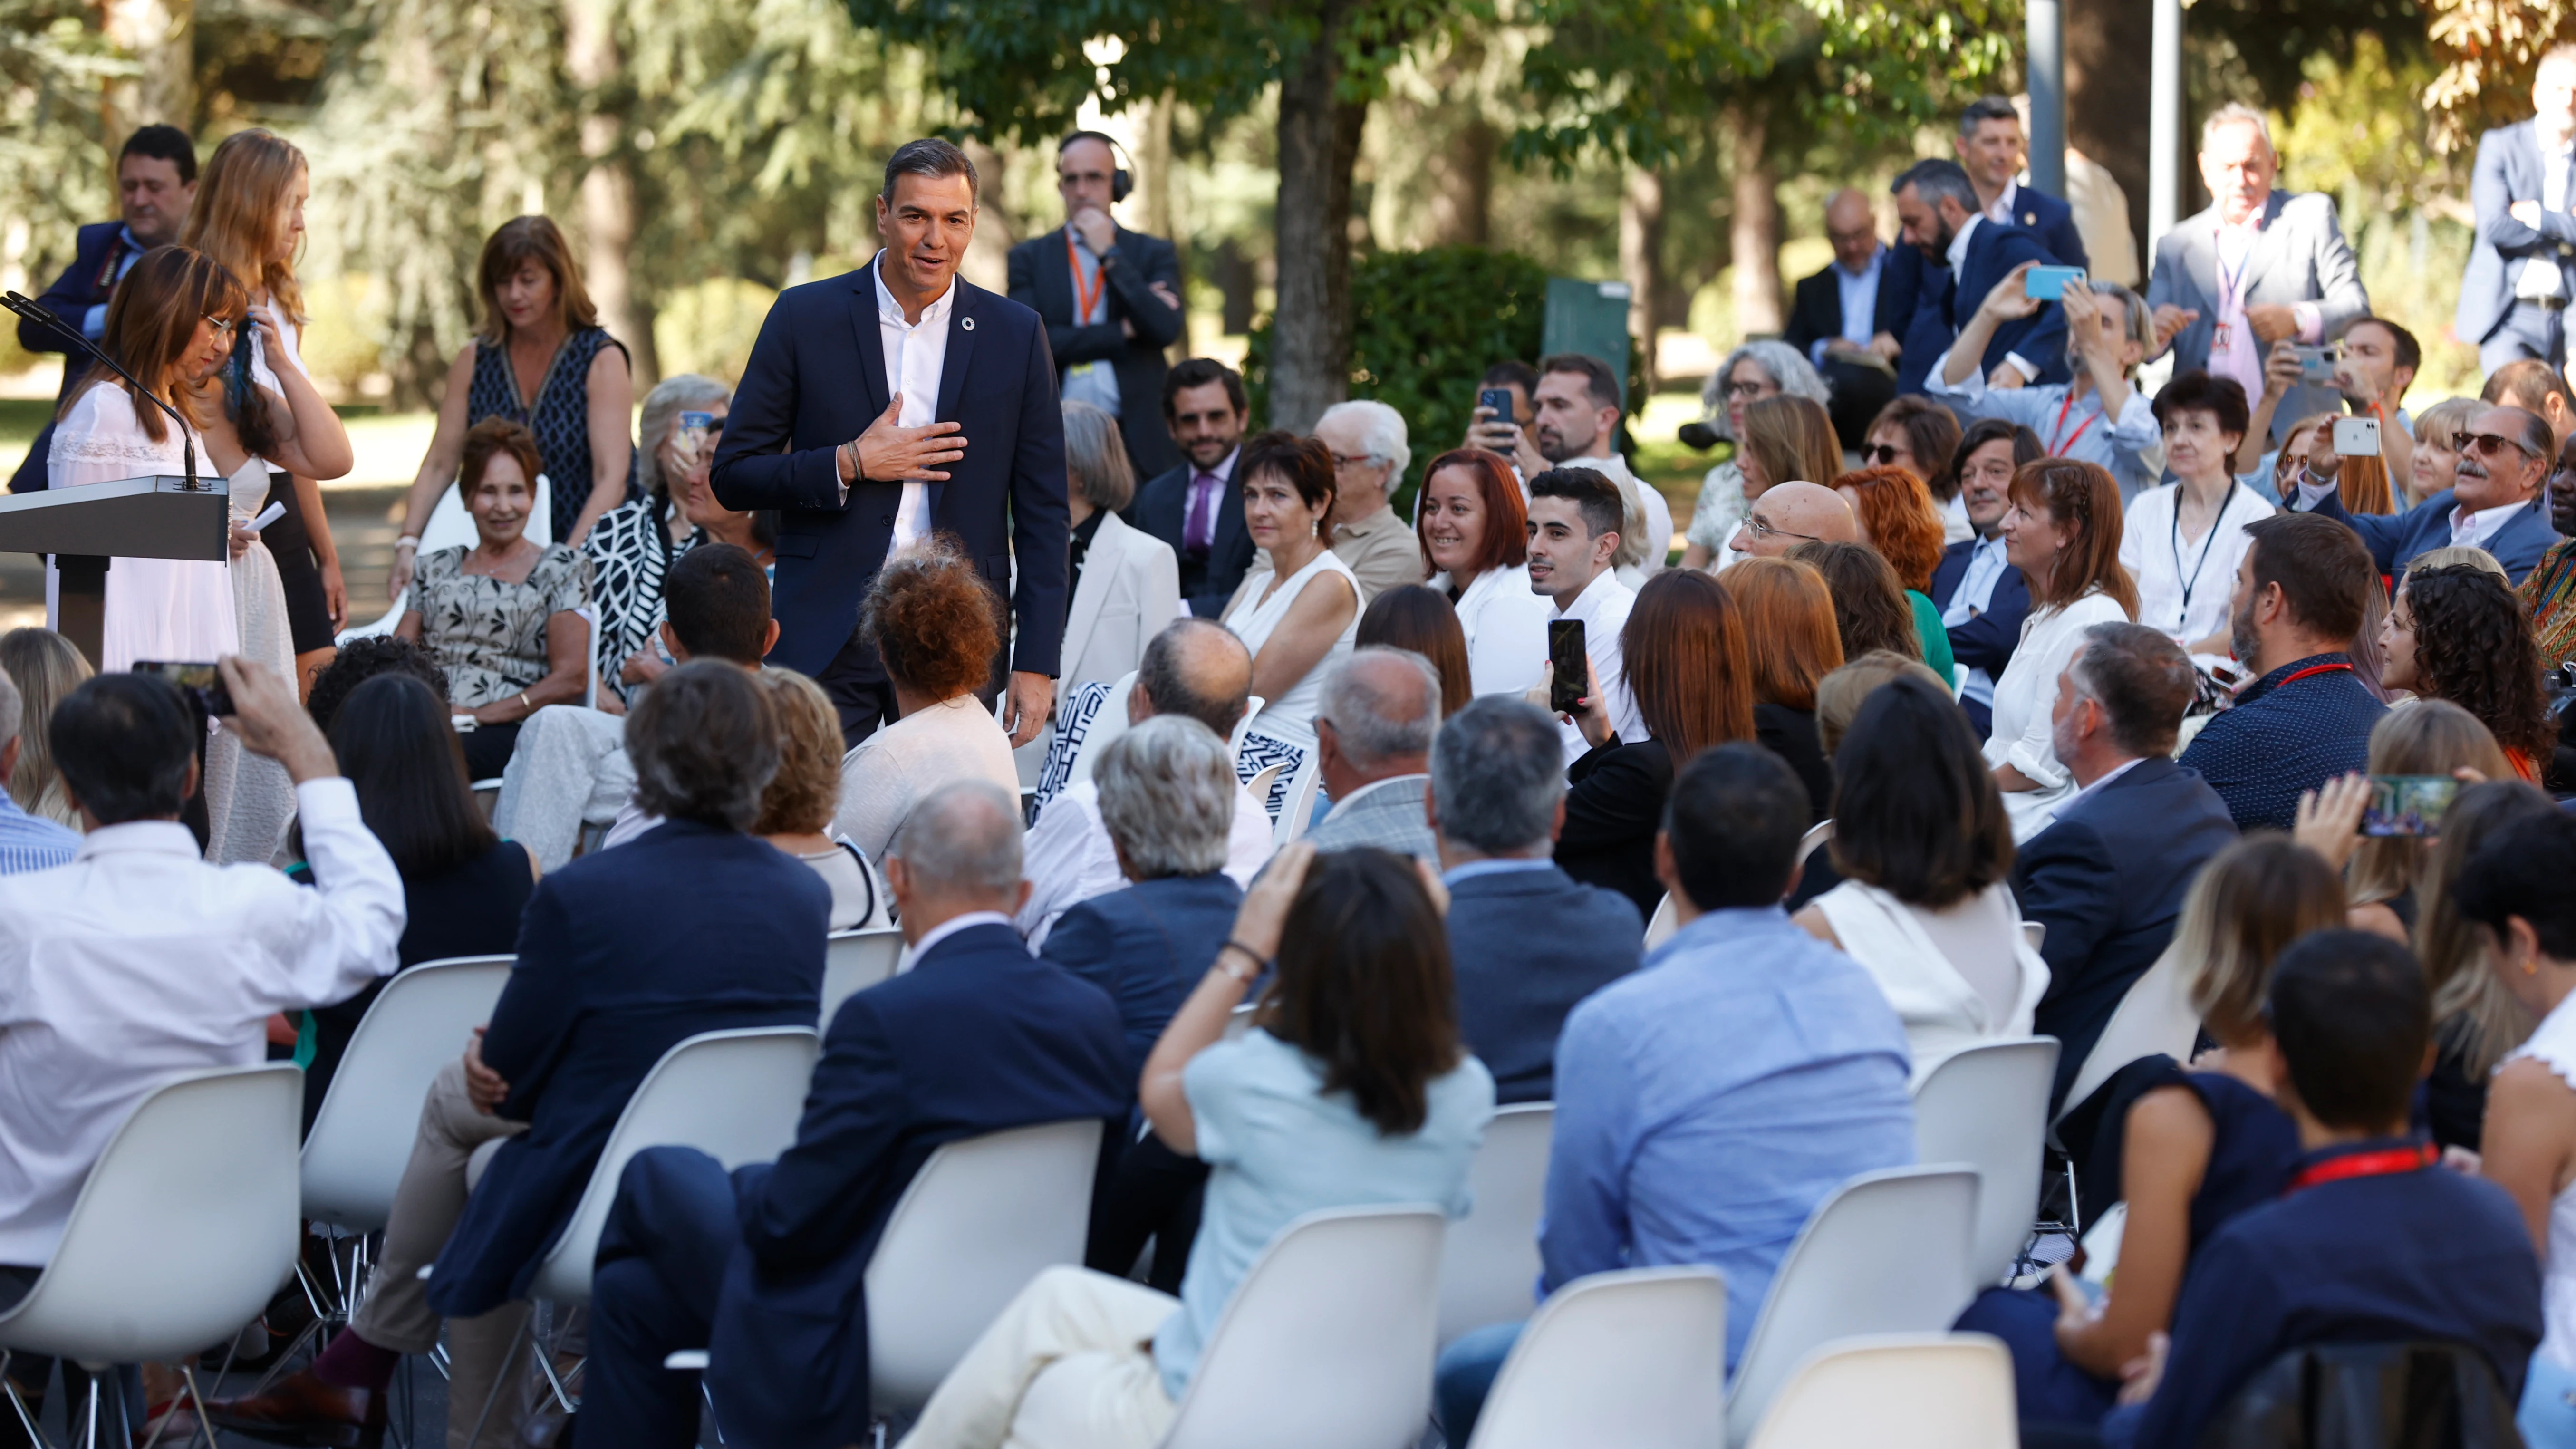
500 1378
89 1440
18 1404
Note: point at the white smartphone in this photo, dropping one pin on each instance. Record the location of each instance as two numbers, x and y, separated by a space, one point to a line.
2356 437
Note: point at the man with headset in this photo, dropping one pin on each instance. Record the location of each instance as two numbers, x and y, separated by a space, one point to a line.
1111 299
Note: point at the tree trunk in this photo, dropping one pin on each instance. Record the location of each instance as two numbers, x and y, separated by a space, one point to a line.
1755 234
1319 141
608 187
1641 261
161 35
1462 206
2108 94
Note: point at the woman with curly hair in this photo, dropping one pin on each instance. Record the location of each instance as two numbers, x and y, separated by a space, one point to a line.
937 628
2456 632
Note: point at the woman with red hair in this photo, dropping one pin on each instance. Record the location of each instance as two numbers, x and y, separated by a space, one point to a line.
1474 528
1900 521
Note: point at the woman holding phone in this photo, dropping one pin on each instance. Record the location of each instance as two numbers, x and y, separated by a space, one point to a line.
2096 418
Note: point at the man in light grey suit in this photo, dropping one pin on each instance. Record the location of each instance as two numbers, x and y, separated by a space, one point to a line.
1373 732
2256 267
2522 269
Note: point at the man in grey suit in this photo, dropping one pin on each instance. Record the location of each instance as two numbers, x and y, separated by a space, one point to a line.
2257 267
1373 730
2522 268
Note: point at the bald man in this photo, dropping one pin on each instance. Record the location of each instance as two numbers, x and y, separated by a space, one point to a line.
1846 323
1789 514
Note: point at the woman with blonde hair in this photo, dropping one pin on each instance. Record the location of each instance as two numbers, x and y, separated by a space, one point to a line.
1787 439
45 667
796 809
2385 875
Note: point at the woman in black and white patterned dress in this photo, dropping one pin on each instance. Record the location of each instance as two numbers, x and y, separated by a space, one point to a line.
633 545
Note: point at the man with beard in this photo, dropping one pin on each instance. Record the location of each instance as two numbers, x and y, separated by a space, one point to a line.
1195 507
1948 228
1577 403
2493 502
2298 604
2550 592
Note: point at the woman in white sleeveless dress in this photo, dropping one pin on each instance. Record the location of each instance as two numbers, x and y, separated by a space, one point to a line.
1300 605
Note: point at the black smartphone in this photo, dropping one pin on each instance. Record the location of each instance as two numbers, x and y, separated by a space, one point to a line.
200 682
1500 400
1572 666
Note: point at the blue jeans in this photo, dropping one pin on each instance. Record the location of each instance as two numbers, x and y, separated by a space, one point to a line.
2547 1417
1466 1374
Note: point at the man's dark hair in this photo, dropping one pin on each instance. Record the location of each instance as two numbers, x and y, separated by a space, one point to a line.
931 157
704 743
163 143
2323 568
1986 108
1199 372
1592 494
1511 372
1165 674
394 742
363 659
718 602
1934 178
2198 392
1916 811
2142 680
2526 383
2523 870
1599 382
2352 1018
124 743
1734 819
2410 353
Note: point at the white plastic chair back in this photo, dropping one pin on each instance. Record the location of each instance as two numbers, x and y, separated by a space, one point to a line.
2154 1016
853 961
1635 1358
1107 725
1898 1390
1817 837
1988 1107
1260 784
1328 1340
2035 933
1665 923
1234 742
982 1217
734 1095
362 1137
185 1228
1299 806
1887 1253
450 526
589 614
1489 1259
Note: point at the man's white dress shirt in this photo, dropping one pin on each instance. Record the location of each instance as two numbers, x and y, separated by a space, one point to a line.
1974 596
915 354
139 963
1602 608
1069 858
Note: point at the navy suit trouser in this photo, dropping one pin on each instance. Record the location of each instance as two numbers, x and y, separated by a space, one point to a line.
661 1263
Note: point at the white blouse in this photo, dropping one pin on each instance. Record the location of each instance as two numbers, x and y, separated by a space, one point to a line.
889 772
1915 955
2023 736
156 608
1506 629
1290 717
2184 585
2553 1045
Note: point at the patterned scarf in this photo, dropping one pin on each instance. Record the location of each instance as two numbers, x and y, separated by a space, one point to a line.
2550 595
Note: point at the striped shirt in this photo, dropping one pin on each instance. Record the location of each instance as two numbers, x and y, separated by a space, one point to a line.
30 843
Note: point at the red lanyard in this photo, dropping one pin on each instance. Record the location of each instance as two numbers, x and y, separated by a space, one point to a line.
2289 680
2386 1162
1083 301
2058 449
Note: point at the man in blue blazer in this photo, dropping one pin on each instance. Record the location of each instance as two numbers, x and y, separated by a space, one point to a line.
2522 267
766 1268
1991 151
1196 507
1526 941
2107 877
1943 221
2494 501
156 180
889 403
1983 599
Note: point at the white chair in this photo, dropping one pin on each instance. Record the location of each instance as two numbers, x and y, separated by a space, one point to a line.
1635 1359
450 525
2154 1015
1299 806
354 1156
853 961
1886 1253
1107 725
1818 835
1260 784
1489 1260
1234 742
589 614
1661 928
1988 1107
1328 1340
734 1095
1897 1391
2035 933
1239 1020
183 1231
983 1217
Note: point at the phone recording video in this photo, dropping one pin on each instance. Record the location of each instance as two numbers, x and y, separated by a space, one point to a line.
200 682
1571 666
2407 804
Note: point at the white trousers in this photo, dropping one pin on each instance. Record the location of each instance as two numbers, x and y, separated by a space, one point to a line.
567 769
1068 1365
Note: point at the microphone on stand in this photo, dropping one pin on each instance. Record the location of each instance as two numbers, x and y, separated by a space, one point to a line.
35 312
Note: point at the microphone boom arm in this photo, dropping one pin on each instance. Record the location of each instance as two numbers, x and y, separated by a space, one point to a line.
38 313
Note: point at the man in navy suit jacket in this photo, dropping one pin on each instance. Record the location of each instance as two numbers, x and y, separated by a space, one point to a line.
156 180
2107 876
894 401
1196 507
1943 222
1991 151
2522 268
766 1268
1526 941
2493 503
1984 639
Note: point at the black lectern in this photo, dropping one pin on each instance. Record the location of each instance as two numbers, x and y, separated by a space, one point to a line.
83 527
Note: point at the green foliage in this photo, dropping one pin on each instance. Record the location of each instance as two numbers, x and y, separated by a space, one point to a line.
1424 327
52 171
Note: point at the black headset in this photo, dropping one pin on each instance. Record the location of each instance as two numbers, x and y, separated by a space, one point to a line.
1121 180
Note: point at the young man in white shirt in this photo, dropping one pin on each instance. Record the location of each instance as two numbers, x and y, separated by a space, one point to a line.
1574 515
1578 427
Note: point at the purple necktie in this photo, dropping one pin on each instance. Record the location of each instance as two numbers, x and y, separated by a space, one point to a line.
1200 526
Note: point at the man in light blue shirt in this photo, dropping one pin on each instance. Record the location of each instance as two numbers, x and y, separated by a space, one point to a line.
1708 1103
26 842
